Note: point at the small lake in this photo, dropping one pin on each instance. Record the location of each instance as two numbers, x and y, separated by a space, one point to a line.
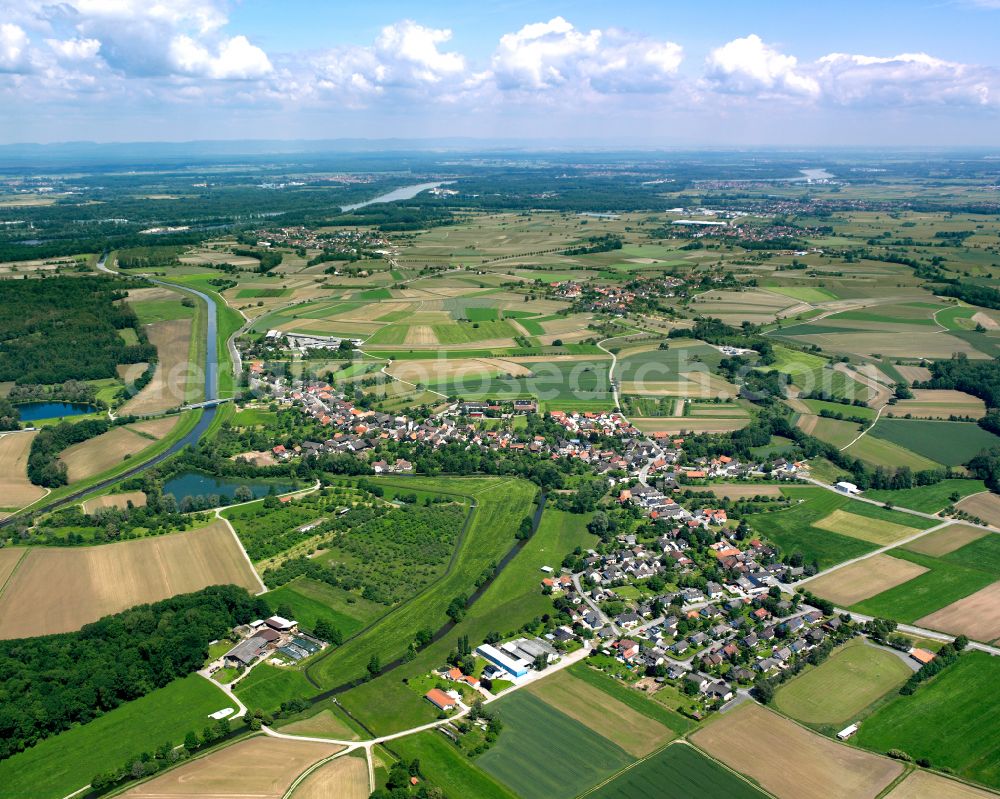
196 484
403 193
33 411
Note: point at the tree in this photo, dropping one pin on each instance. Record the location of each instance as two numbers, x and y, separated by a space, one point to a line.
285 611
541 663
328 632
763 690
374 666
191 742
243 494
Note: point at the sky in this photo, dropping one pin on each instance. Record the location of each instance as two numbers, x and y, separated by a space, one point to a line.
646 73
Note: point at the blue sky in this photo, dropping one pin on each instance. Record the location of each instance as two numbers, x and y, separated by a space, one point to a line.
668 73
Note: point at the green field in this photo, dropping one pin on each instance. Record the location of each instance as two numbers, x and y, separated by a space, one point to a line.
267 686
470 332
311 600
804 293
952 720
792 530
544 754
60 765
882 452
150 311
664 365
447 767
947 581
501 506
629 696
928 499
950 443
250 417
678 772
845 684
861 411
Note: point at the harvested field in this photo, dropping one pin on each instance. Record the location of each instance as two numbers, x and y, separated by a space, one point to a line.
325 724
130 372
175 378
739 490
892 344
687 424
157 428
925 785
807 423
635 733
863 579
913 374
985 506
16 490
877 531
930 403
56 590
947 539
9 558
103 452
259 768
976 616
986 321
420 335
343 778
152 293
137 498
790 761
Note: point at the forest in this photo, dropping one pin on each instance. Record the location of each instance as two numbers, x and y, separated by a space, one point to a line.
51 682
66 328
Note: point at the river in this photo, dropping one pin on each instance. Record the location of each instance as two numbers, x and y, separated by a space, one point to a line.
207 415
402 193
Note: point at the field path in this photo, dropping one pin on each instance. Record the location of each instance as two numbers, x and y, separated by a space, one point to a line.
861 435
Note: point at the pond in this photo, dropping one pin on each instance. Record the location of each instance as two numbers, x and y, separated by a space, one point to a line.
33 411
197 484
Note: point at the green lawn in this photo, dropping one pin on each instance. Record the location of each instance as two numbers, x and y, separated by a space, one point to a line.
944 583
447 767
60 765
544 754
267 686
928 499
251 417
950 443
953 720
678 772
845 684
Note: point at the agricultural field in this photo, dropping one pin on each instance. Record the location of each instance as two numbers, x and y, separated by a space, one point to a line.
16 490
960 706
938 404
324 722
985 506
60 589
926 785
108 450
344 777
742 490
842 686
174 381
864 578
677 772
64 763
121 501
632 731
9 558
949 578
261 767
949 443
448 767
930 498
311 600
790 761
881 452
947 539
545 753
814 527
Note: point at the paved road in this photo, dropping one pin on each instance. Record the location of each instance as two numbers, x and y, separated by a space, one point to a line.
594 606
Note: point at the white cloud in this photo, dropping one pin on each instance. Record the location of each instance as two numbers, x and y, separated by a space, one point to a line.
906 79
74 49
234 59
13 47
749 66
553 54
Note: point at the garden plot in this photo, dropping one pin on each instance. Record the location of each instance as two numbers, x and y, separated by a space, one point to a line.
863 579
790 761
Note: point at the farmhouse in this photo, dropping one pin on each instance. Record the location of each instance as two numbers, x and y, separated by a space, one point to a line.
441 700
246 652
